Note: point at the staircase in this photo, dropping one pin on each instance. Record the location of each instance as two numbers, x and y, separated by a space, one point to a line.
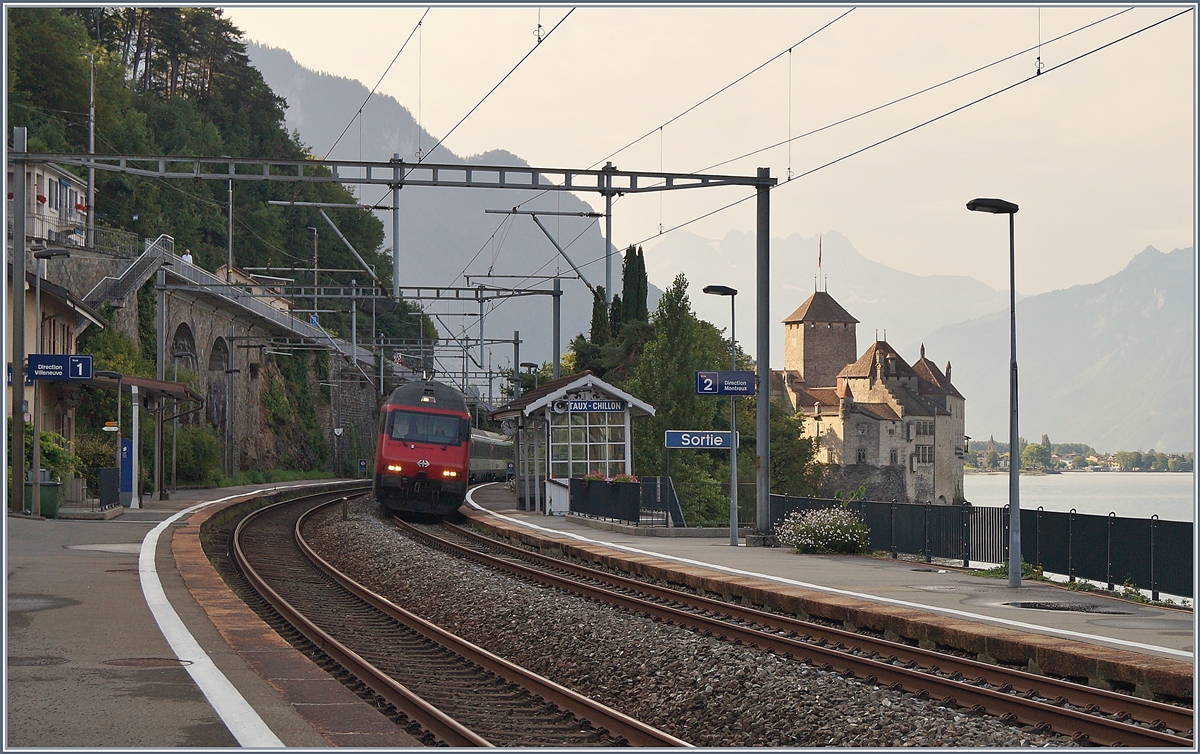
116 290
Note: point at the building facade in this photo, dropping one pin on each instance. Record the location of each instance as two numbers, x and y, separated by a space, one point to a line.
895 429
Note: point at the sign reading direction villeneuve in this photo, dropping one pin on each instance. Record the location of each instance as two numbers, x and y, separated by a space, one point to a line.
698 439
595 405
53 366
725 383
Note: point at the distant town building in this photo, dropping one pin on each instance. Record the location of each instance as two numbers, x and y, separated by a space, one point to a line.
895 429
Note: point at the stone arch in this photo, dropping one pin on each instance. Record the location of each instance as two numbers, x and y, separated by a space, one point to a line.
184 342
218 362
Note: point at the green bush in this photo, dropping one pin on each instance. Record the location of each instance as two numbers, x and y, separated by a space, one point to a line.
198 459
825 530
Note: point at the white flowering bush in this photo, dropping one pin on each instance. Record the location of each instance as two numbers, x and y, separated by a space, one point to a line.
823 530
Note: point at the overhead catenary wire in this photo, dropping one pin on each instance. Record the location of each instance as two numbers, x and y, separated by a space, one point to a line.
946 114
917 93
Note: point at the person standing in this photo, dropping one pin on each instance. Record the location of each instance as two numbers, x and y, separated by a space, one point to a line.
187 256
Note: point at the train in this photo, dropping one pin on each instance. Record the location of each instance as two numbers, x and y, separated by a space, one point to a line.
428 452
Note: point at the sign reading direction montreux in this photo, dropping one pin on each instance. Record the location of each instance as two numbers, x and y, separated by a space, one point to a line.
53 366
595 405
697 439
724 383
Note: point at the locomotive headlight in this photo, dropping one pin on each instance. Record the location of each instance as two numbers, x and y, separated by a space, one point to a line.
449 473
395 467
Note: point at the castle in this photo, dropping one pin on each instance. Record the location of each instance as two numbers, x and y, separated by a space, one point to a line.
895 429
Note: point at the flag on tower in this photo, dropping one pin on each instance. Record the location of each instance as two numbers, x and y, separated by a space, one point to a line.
819 239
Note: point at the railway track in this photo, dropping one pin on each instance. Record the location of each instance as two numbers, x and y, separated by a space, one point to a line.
1087 714
459 694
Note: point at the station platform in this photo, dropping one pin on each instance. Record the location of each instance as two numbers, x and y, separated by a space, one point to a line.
119 633
1041 625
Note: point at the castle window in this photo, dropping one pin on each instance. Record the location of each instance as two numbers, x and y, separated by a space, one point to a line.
924 454
892 458
862 455
924 428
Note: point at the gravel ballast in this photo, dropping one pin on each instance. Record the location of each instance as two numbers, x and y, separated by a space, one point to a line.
705 691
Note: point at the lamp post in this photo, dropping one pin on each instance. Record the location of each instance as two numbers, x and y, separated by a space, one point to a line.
334 412
531 367
1001 207
176 355
116 376
723 290
35 505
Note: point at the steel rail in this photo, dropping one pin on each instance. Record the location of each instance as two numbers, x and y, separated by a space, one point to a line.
1108 702
410 704
1083 726
598 715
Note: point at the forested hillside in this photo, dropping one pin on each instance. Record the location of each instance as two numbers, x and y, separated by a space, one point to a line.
177 81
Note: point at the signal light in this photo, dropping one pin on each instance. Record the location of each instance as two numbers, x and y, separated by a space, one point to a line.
449 473
394 467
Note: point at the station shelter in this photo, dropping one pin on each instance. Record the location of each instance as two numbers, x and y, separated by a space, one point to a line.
569 427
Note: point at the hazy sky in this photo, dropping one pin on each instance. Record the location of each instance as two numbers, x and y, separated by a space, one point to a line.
1099 153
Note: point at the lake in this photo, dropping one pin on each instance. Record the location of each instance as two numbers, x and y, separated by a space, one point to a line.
1127 493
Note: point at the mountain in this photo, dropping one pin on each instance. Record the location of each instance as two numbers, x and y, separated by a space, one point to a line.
1109 364
903 306
445 232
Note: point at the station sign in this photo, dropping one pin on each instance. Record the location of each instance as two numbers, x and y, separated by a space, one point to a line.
53 366
698 439
598 405
725 383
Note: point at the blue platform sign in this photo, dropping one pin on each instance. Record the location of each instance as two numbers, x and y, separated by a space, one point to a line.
698 439
725 383
54 366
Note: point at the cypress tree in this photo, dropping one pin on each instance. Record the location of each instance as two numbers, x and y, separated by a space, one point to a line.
615 319
601 330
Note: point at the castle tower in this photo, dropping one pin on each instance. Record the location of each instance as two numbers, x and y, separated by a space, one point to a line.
819 340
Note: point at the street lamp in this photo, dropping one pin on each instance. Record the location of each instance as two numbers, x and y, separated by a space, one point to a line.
724 290
35 505
116 376
176 355
334 413
1001 207
531 366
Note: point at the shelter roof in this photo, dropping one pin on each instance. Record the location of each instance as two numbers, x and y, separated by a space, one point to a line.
65 296
147 386
560 389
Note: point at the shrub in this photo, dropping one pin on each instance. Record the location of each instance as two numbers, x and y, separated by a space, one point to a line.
823 530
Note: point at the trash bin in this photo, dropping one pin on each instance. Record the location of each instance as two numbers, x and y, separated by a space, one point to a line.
51 498
110 480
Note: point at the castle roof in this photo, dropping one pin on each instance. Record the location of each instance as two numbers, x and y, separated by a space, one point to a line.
881 411
932 379
810 397
820 307
865 366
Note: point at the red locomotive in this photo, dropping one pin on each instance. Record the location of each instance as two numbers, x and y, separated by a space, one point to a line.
422 457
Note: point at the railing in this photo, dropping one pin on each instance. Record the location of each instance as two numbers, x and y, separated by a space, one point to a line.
1147 553
652 501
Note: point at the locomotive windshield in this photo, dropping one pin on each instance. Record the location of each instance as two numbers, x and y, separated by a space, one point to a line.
439 429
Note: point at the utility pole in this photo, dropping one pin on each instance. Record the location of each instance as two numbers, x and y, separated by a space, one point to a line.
18 324
313 318
395 228
90 237
229 246
608 242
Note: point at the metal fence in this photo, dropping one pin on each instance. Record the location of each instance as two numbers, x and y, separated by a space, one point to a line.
652 501
1145 553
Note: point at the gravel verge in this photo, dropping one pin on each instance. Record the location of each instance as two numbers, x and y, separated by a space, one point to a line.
707 692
